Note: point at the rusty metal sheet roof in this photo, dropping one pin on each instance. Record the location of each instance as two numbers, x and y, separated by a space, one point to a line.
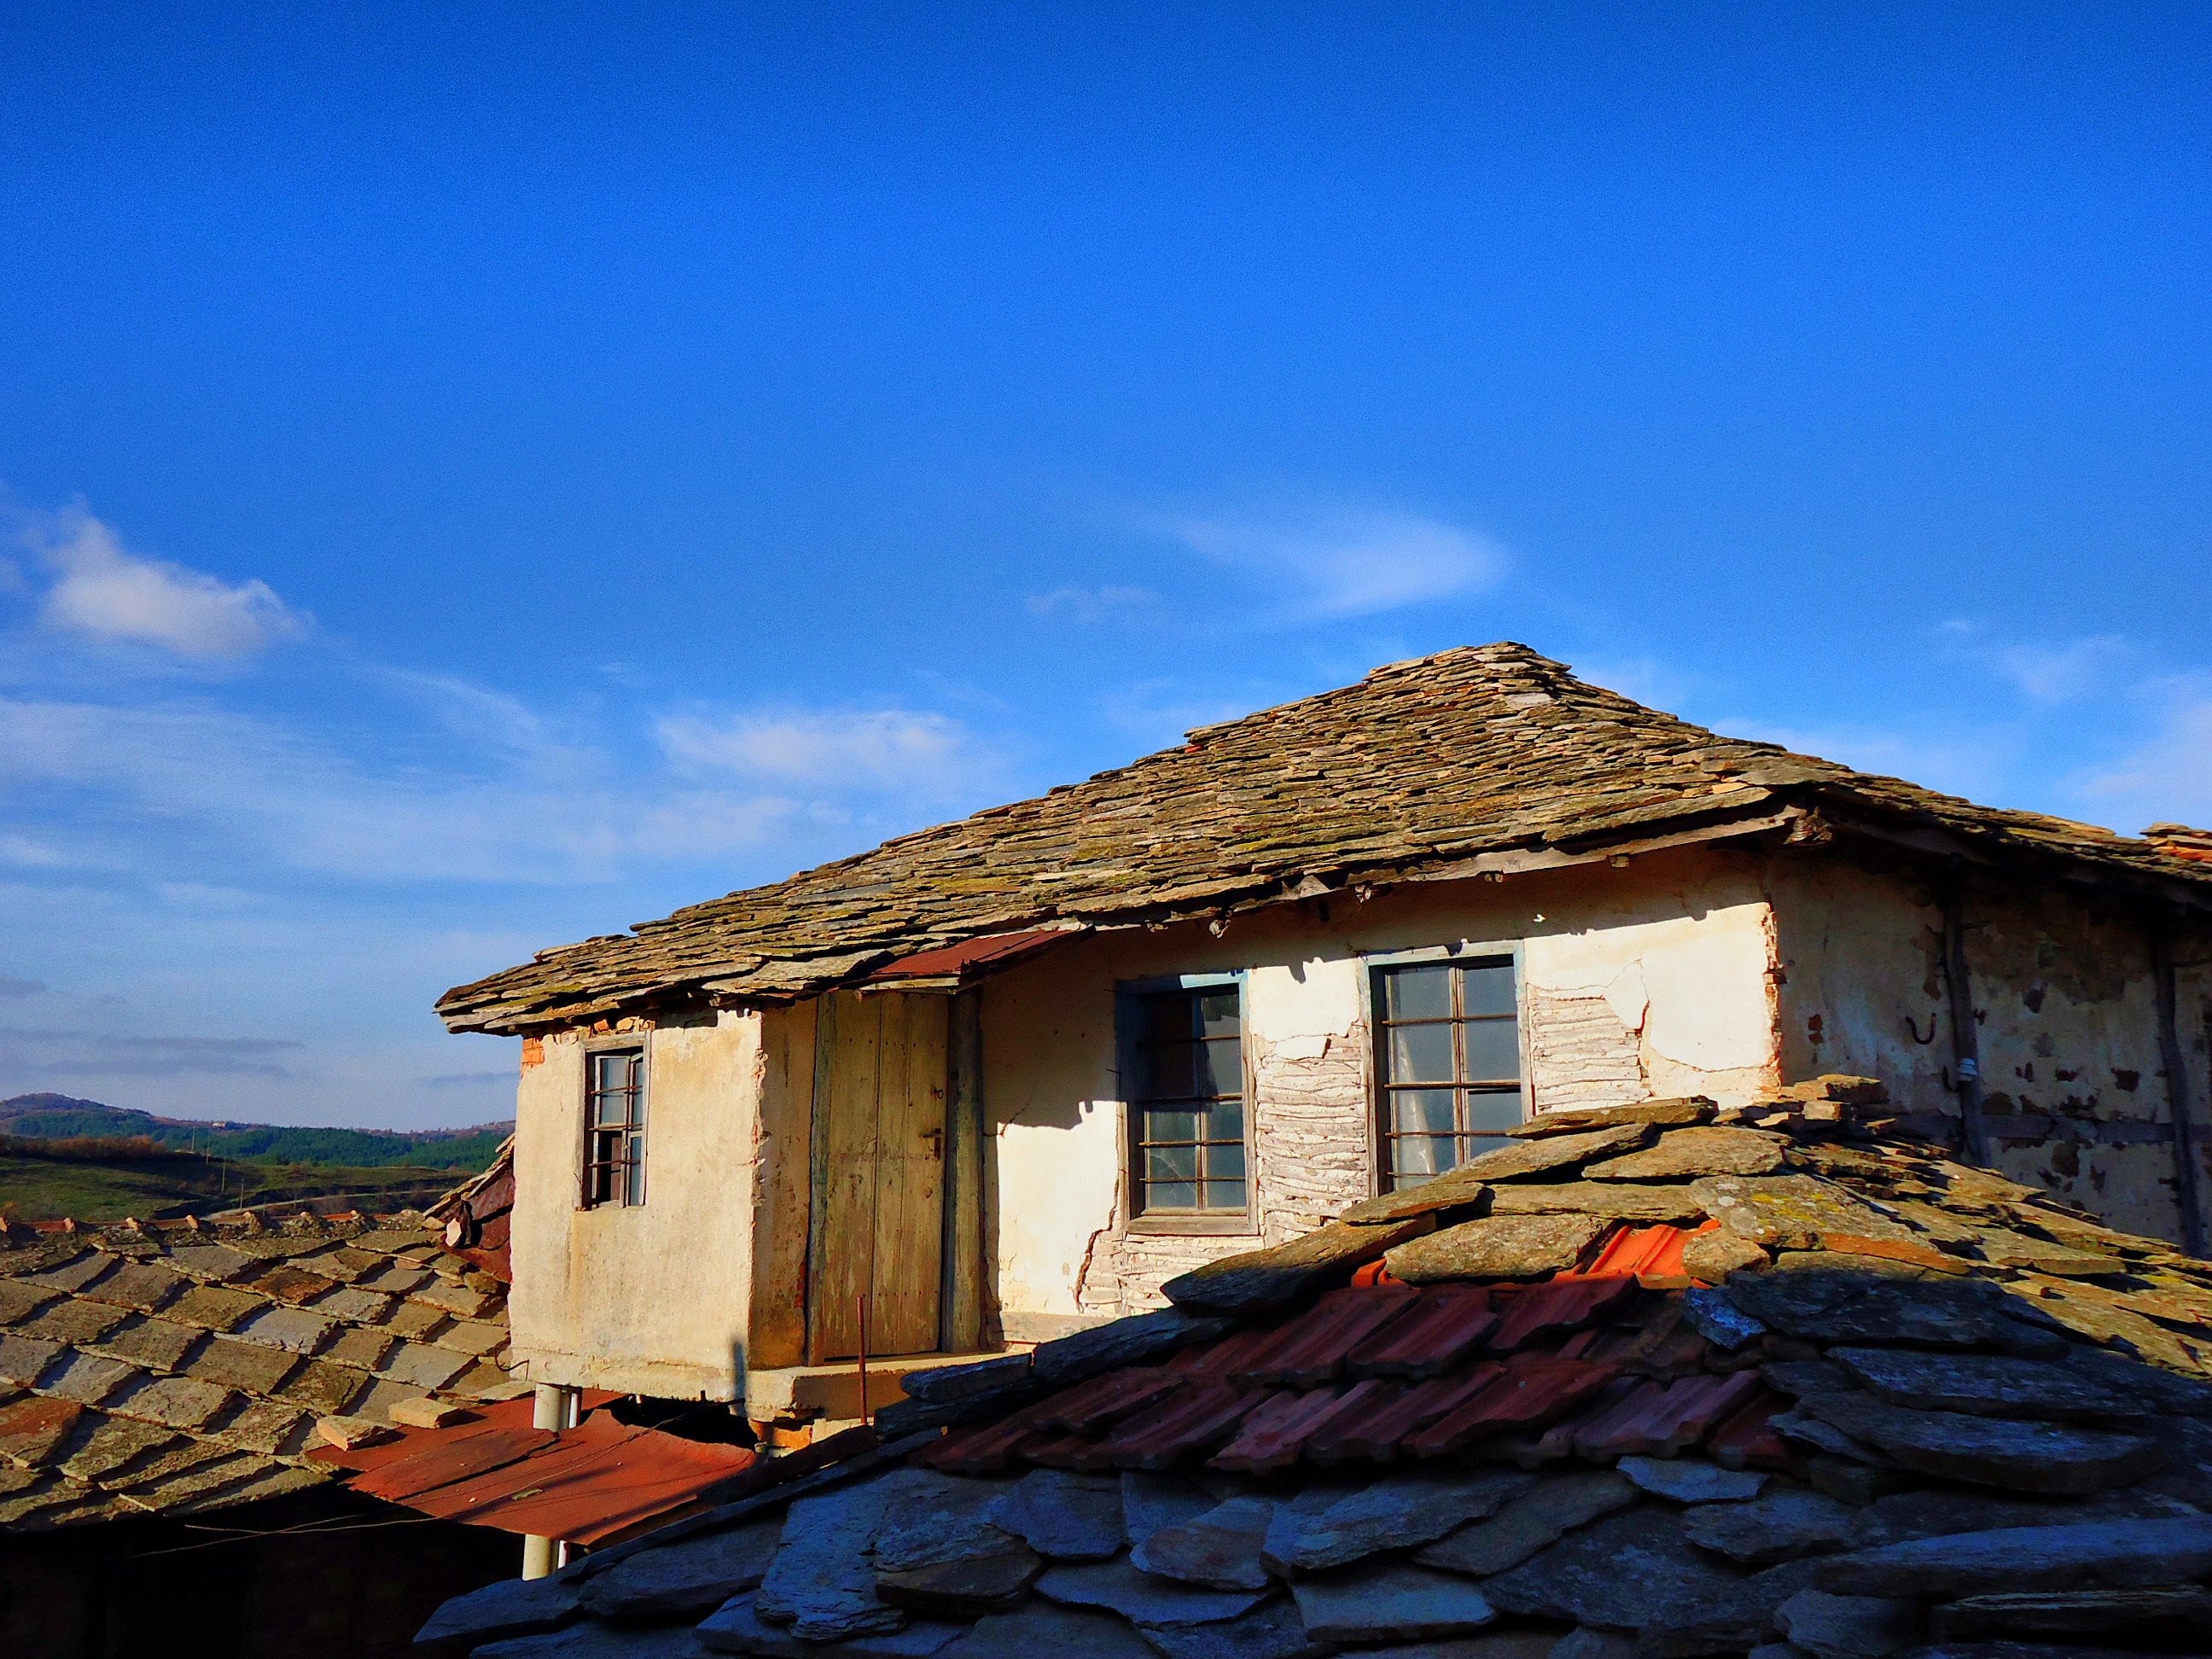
583 1484
972 959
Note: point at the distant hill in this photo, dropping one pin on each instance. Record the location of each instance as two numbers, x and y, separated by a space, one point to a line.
62 1117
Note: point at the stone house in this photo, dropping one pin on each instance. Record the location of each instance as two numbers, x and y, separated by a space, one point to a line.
999 1080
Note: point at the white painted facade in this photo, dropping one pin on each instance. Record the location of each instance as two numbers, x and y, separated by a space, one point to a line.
1696 970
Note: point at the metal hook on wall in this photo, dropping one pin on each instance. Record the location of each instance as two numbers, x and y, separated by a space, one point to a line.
1922 1041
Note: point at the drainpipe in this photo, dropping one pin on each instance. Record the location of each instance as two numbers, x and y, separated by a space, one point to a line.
554 1407
2188 1165
1966 1037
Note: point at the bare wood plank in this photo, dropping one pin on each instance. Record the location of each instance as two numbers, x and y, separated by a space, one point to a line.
960 1314
910 1190
783 1195
846 1153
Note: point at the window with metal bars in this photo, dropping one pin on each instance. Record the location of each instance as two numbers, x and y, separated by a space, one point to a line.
614 1127
1448 1044
1185 1051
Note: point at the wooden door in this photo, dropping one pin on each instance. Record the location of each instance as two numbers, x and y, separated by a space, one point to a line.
878 1225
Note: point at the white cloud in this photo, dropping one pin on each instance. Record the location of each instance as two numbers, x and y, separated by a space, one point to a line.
104 594
892 751
1159 712
1976 762
2167 779
1091 605
1347 564
146 785
2053 674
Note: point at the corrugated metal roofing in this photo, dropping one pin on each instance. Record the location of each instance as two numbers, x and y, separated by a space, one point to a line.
586 1484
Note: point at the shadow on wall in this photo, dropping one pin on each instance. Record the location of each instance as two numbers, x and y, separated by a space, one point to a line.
322 1574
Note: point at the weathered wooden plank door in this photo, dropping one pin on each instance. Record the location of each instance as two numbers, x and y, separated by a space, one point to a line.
878 1214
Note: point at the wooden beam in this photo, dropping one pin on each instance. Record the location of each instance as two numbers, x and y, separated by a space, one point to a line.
2188 1163
1966 1034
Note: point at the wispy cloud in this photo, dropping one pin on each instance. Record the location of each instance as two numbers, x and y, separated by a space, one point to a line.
2167 777
1092 605
102 591
93 1054
12 986
888 751
1329 566
2058 673
467 1080
124 782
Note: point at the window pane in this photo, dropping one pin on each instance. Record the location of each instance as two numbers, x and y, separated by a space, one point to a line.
1221 1069
1216 1011
1224 1195
1171 1195
1225 1121
1496 1111
1416 1157
1493 1050
1170 1163
1167 1017
1169 1074
1171 1126
1421 1108
1487 990
1224 1163
1421 1053
1417 993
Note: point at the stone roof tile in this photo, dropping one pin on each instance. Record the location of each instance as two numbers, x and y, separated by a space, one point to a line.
1786 1431
1480 749
142 1403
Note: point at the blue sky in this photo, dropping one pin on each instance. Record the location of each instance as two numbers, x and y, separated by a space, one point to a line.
471 479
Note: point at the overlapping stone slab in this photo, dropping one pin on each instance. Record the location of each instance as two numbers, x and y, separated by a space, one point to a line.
2099 1554
1398 1511
1063 1515
822 1582
1398 1602
1510 1247
689 1576
2019 1457
1531 1520
1614 1573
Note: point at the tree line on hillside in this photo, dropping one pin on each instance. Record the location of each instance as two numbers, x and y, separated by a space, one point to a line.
58 1117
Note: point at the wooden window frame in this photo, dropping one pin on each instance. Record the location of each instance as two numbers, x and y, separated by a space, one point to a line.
1465 954
632 1133
1127 994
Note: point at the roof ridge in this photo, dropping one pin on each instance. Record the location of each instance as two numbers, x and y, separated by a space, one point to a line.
1472 747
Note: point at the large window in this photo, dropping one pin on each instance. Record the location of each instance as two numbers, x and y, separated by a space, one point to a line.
1449 1045
1184 1050
614 1127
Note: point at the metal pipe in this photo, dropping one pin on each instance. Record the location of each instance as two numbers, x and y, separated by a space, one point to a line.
1965 1036
864 1357
553 1407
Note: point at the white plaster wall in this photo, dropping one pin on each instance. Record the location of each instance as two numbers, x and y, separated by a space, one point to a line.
652 1298
2065 1009
1665 969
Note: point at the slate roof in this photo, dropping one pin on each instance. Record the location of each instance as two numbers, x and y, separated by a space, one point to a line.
1473 751
1841 1392
168 1369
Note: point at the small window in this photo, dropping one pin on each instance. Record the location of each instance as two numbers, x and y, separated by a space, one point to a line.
1186 1051
614 1127
1450 1051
